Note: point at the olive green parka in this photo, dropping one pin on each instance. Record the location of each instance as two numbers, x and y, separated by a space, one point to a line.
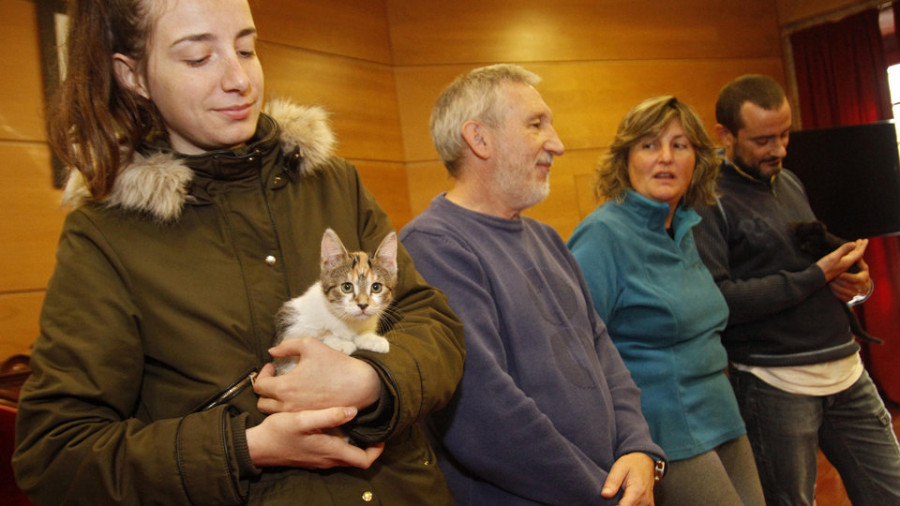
164 295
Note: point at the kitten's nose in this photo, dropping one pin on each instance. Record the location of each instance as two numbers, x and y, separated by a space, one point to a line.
363 307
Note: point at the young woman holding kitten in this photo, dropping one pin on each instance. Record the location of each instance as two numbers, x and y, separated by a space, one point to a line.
195 217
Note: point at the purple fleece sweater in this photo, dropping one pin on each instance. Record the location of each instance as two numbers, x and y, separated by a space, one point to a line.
546 404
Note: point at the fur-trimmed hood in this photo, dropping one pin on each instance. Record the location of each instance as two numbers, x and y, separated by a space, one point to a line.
158 184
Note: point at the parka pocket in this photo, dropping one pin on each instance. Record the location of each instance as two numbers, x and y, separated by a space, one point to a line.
230 392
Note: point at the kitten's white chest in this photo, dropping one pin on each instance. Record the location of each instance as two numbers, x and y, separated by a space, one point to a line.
343 308
311 315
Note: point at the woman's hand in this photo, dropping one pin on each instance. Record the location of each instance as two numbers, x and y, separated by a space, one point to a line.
301 439
323 378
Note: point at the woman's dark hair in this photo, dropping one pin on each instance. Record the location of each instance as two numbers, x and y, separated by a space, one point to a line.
94 124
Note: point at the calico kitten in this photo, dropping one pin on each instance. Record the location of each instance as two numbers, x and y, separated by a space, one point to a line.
814 240
343 308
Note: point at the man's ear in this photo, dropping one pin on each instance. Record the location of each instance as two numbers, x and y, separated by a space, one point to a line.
726 138
128 76
477 137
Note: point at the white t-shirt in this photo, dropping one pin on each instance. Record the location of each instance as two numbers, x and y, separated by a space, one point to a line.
816 379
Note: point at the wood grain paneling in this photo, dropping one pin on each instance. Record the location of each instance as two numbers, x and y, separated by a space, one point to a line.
584 192
31 217
21 86
354 28
451 31
19 322
388 183
359 95
588 98
417 90
426 179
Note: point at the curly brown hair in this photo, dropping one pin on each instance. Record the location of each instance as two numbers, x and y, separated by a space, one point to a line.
650 118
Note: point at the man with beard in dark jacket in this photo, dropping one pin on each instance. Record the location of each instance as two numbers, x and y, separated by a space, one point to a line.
795 366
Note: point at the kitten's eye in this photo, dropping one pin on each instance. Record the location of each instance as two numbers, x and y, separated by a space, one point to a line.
376 287
347 287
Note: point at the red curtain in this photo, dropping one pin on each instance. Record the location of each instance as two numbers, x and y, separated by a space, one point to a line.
841 72
841 81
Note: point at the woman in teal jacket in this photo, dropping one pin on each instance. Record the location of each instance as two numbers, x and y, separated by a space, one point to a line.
660 304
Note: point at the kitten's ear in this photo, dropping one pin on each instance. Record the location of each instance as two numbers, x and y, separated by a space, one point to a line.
386 254
333 251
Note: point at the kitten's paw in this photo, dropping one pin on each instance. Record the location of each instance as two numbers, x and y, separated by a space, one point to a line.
373 342
341 345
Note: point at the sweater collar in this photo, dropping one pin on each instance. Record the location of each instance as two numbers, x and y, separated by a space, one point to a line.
445 205
653 214
158 182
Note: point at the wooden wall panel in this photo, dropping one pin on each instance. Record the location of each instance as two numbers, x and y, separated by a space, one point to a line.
359 95
584 192
426 179
463 32
19 322
21 86
389 185
354 28
417 89
31 217
589 100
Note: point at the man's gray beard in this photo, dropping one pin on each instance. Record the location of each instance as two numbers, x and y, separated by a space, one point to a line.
527 199
525 195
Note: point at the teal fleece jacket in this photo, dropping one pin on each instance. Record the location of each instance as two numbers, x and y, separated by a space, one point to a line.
665 315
